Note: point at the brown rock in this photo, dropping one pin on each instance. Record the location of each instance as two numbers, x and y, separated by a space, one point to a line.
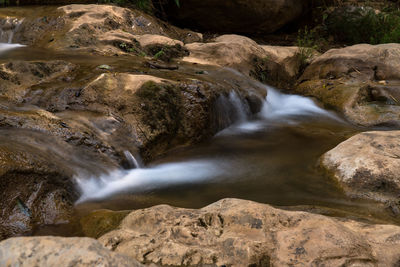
105 29
236 232
58 251
276 65
367 166
349 80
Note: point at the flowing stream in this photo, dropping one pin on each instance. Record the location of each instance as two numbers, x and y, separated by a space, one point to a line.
271 157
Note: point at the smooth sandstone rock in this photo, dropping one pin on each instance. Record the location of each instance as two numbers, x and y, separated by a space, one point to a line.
276 65
236 232
59 251
368 165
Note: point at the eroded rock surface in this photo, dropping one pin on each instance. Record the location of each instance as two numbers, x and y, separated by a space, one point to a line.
103 29
362 81
368 166
58 251
275 65
236 232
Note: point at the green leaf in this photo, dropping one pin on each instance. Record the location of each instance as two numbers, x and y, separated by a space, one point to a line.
177 3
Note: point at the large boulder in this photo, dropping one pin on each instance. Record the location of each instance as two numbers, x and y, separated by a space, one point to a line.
58 251
361 81
367 166
276 65
239 16
234 232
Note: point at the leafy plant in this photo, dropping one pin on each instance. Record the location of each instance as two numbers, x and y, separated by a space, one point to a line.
159 54
307 43
364 25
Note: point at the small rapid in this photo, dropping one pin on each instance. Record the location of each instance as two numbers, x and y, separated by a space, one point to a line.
277 107
8 28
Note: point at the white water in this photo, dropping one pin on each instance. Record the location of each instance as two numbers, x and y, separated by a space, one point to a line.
146 179
7 47
7 30
277 107
134 163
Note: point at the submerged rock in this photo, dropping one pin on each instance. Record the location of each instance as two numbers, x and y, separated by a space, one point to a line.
236 232
362 81
59 251
368 166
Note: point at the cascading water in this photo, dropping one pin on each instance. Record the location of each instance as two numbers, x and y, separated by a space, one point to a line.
133 162
277 106
8 27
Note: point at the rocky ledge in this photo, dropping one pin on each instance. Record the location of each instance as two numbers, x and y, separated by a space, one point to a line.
230 232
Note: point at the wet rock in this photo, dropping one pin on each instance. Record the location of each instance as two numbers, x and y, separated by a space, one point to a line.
235 16
103 29
58 251
367 166
160 112
17 77
36 188
349 80
235 232
100 222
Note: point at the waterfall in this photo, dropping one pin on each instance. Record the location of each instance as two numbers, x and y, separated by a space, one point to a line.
229 110
278 105
144 179
8 27
133 163
278 108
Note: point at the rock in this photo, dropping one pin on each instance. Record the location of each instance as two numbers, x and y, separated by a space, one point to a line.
275 65
59 251
17 76
347 79
367 165
103 29
234 232
36 187
161 113
244 16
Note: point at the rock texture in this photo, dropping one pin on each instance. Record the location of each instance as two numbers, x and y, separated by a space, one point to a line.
368 166
362 81
103 29
58 251
239 16
275 65
235 232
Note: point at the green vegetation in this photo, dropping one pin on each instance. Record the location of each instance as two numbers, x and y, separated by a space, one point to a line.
364 25
159 54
